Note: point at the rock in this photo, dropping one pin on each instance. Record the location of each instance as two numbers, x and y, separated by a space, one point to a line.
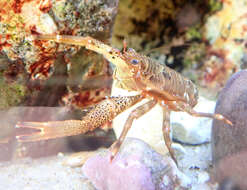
79 158
136 166
231 171
203 177
228 184
204 186
191 130
57 17
228 140
179 151
224 54
195 162
30 68
187 17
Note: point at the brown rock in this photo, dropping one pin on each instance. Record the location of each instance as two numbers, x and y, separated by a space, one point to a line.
232 103
231 172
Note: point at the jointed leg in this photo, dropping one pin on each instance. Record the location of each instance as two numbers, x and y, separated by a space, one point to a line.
210 115
186 108
135 114
102 113
166 132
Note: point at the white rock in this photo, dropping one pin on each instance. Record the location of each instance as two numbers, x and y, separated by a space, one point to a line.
193 130
203 177
185 181
33 16
179 151
195 163
203 186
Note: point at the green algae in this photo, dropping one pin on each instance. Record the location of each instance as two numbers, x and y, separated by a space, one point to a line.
11 94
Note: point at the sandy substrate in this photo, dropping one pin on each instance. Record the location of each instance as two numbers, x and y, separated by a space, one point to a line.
51 173
44 173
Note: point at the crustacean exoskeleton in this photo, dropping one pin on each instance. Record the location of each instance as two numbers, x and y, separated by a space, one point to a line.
134 72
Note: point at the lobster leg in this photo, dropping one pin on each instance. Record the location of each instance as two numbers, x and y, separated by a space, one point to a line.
135 114
166 132
181 106
102 113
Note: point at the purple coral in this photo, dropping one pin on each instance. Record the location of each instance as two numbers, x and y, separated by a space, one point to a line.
118 174
136 167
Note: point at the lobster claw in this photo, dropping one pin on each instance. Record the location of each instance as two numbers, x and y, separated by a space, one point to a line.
39 132
49 130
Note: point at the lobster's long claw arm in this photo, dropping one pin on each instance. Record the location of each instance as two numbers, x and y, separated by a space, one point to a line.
50 130
71 40
103 112
111 54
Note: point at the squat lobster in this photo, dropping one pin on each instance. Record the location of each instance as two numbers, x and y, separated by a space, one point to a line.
133 72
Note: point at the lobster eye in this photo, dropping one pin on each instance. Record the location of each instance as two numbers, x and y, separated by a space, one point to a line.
131 50
134 61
